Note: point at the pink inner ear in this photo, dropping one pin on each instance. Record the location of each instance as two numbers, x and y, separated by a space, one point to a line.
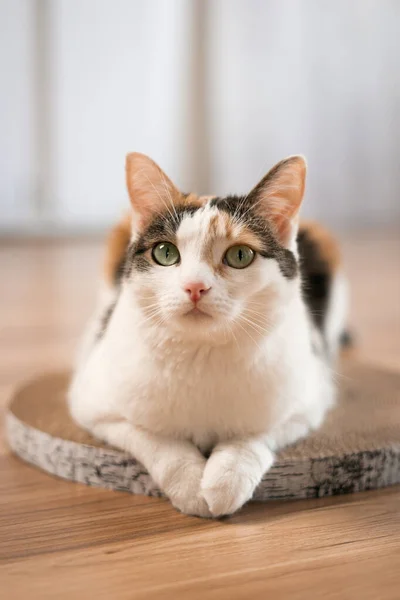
150 190
280 193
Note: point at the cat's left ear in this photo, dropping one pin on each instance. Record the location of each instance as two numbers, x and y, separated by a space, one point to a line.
278 197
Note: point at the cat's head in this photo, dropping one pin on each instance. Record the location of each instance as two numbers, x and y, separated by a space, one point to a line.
211 266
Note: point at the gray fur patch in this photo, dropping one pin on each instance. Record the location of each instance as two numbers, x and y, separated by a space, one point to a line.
105 320
241 208
163 227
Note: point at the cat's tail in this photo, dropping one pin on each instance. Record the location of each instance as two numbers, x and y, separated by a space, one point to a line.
325 287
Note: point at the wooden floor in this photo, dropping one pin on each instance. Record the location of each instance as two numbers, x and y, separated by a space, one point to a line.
62 540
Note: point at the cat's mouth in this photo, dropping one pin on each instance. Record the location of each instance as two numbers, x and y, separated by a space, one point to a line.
197 313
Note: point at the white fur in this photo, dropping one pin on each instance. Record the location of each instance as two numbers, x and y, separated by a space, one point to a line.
336 314
164 385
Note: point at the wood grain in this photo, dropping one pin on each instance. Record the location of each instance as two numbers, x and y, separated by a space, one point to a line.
63 540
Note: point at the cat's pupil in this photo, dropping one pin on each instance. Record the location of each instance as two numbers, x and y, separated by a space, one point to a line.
166 251
240 254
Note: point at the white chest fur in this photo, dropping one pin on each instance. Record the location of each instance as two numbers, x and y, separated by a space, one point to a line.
193 390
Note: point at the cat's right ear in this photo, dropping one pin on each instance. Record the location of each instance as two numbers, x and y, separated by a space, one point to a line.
150 190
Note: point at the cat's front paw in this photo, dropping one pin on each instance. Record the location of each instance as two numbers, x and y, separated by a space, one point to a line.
182 487
227 484
191 503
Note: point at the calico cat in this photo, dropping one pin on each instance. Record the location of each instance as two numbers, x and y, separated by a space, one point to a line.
215 334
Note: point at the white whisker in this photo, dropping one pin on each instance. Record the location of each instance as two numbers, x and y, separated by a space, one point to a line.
248 333
170 197
257 328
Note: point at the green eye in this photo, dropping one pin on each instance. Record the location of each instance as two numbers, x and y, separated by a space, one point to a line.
239 257
166 254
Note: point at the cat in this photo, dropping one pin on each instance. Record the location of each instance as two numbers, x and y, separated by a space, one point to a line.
215 335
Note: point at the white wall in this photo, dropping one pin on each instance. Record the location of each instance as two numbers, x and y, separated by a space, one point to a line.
215 90
86 82
118 84
314 77
18 166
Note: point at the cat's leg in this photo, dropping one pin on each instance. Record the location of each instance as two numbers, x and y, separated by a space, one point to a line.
235 468
337 314
232 473
299 425
295 428
176 466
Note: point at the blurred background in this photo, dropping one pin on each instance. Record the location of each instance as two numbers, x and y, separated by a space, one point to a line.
216 91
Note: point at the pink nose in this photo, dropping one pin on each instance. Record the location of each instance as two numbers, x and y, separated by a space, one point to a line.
196 290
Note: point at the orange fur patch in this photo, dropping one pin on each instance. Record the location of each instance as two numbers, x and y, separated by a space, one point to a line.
327 244
193 199
220 226
229 225
213 225
117 243
212 234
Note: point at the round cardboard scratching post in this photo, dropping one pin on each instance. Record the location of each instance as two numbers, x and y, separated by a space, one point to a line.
357 449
